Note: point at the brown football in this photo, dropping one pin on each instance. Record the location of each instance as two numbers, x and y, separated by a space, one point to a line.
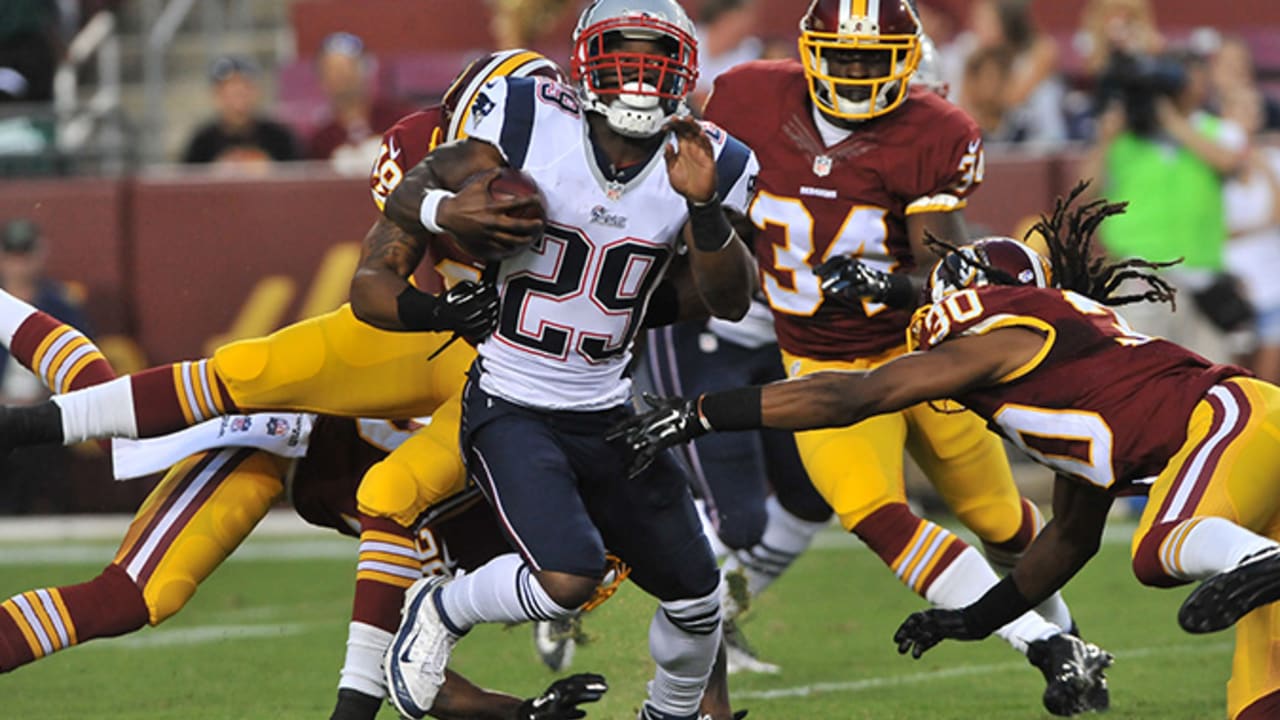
507 184
512 183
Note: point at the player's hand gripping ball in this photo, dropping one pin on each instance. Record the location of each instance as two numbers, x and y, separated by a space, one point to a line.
518 213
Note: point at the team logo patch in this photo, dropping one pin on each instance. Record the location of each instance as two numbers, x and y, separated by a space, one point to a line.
1026 276
277 427
822 165
601 216
241 423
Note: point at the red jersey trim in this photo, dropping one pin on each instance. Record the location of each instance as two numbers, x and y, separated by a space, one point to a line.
998 322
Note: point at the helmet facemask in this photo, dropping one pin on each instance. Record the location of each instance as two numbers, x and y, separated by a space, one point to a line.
636 91
858 98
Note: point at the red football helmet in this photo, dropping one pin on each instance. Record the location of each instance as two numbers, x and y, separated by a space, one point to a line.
466 86
989 261
882 36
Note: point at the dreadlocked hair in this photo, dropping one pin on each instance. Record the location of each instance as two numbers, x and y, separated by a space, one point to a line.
942 249
1068 232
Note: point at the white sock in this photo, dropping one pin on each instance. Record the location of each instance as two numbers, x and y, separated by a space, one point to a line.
968 578
683 639
362 669
100 411
13 312
785 538
502 590
1202 546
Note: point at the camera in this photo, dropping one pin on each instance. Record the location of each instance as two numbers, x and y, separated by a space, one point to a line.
1136 81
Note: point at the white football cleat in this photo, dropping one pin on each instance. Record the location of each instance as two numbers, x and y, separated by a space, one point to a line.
739 656
415 661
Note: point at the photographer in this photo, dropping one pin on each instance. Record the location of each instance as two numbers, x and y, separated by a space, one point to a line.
1159 150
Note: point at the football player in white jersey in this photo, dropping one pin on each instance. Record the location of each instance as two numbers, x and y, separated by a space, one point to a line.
631 186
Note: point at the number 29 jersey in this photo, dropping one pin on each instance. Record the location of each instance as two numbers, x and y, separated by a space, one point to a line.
852 198
572 302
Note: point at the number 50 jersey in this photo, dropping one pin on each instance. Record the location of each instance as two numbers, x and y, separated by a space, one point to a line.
572 302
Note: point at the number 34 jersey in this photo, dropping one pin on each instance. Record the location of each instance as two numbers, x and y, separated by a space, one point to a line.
851 198
571 303
1099 402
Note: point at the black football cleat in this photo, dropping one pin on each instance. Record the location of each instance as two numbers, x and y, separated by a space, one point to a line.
1225 597
1073 670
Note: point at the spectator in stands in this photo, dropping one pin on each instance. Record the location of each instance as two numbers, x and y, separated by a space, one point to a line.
28 473
357 116
1233 70
725 38
1252 202
239 135
1033 92
29 50
1168 158
525 23
1107 26
983 96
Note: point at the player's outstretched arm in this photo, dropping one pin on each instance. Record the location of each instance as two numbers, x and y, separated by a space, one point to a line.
831 399
459 698
1054 557
723 270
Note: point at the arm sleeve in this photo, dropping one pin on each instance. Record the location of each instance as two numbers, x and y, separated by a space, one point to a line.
736 169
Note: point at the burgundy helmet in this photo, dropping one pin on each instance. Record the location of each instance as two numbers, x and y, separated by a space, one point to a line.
989 261
837 27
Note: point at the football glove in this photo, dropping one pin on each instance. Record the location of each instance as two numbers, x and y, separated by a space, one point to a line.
849 280
671 421
561 700
922 630
469 309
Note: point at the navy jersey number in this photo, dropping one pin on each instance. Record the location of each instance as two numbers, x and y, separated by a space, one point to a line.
571 273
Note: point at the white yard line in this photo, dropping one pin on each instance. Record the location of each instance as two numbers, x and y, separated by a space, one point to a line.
200 635
871 683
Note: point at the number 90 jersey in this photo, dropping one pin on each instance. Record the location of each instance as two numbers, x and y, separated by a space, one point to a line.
571 303
1099 402
852 198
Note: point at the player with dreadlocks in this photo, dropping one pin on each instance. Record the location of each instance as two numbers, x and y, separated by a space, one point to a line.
1032 346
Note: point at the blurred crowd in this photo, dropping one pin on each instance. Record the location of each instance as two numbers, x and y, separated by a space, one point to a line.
1173 120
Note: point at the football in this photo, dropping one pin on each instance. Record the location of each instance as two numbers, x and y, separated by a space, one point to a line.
507 184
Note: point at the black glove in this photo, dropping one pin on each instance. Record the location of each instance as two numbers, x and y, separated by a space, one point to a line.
922 630
561 700
672 421
849 280
470 309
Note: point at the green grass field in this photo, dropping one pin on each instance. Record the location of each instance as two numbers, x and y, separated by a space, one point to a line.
263 639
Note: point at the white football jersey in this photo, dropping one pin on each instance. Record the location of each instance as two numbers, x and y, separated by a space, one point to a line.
572 303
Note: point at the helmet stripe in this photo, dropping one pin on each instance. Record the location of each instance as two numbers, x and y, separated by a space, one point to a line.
504 68
873 9
858 9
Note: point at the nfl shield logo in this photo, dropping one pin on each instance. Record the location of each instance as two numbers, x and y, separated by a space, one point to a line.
822 166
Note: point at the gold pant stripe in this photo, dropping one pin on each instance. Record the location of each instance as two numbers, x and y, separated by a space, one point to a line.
69 377
386 537
42 616
65 614
386 579
37 357
935 557
401 560
20 620
184 401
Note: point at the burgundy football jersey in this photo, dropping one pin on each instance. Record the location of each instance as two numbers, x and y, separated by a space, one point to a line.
403 146
1100 403
852 198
